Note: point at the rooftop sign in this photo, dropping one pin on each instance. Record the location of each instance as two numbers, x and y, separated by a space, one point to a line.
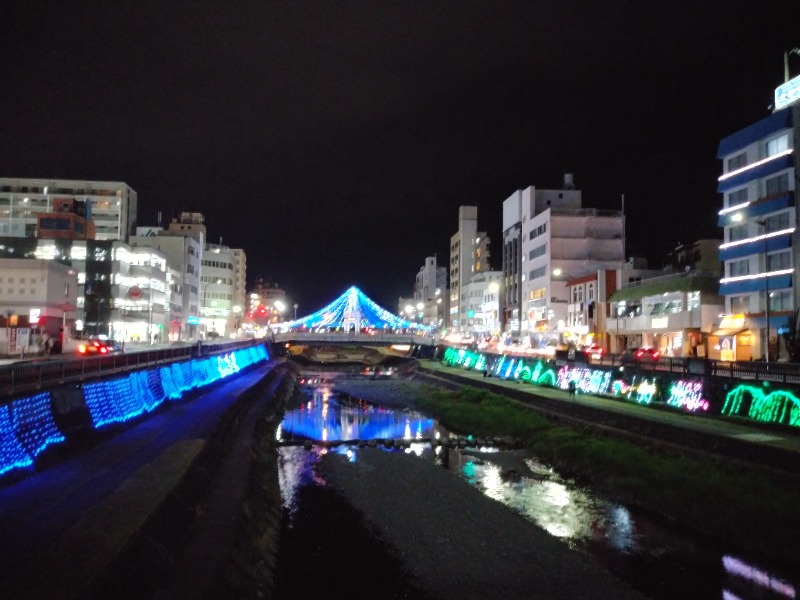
787 93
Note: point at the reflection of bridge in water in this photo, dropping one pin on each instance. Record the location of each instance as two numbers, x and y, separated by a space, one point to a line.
325 419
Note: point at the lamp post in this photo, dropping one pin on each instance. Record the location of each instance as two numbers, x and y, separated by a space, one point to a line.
766 289
295 311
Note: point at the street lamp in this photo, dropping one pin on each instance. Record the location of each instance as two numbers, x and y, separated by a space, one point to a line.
766 287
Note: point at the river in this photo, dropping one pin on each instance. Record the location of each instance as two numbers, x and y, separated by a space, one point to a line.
658 561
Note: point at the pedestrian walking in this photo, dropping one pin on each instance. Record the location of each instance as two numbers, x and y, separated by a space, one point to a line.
572 387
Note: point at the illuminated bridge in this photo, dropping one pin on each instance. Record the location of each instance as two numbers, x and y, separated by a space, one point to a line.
353 318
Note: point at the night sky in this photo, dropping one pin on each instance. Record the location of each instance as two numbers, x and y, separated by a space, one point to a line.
334 141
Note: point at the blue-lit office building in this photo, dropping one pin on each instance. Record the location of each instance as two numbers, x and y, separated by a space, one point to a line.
759 219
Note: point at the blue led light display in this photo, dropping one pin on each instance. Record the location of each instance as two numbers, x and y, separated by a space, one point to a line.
27 425
12 453
353 309
32 420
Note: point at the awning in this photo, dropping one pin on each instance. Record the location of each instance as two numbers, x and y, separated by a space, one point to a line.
727 332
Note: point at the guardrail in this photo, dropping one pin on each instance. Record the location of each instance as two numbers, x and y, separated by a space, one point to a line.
750 369
42 373
747 370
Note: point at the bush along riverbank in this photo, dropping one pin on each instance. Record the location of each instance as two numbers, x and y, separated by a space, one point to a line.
753 510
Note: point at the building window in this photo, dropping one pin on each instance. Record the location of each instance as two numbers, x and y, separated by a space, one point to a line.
739 267
777 185
739 232
738 197
781 300
779 261
737 162
540 272
740 304
778 145
778 222
590 292
538 251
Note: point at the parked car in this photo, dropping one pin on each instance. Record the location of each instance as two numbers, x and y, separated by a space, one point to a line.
594 351
640 355
98 346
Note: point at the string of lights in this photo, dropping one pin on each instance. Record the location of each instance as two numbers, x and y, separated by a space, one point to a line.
353 309
28 425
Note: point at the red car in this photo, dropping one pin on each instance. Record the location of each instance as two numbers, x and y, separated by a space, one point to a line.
594 350
98 346
634 355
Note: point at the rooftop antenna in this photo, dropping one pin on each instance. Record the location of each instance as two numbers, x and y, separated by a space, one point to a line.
786 54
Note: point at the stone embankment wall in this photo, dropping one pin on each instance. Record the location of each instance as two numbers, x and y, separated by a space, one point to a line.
31 424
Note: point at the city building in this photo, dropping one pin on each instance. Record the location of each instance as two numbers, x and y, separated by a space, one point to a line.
121 289
38 300
469 254
589 308
759 221
184 251
676 312
111 205
482 302
218 283
548 240
239 287
268 304
430 289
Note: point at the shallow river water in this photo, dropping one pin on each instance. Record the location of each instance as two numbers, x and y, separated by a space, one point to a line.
657 561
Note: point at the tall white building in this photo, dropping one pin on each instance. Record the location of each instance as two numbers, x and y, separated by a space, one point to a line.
549 239
430 290
469 254
184 252
222 289
759 220
112 205
481 299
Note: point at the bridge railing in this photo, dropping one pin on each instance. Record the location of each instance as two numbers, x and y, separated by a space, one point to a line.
340 337
41 373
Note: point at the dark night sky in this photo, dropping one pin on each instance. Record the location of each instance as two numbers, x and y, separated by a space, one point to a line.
335 141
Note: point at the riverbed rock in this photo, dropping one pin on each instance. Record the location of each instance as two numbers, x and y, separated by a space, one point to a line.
457 542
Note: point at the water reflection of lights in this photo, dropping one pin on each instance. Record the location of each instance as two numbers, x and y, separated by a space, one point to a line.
417 448
492 483
562 511
620 533
739 568
327 418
